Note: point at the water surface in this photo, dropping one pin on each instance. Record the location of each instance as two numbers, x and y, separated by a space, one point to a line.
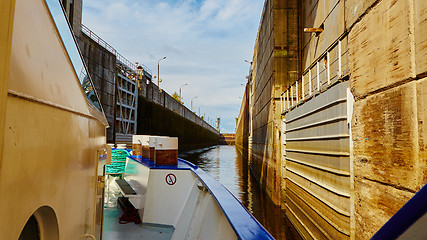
227 165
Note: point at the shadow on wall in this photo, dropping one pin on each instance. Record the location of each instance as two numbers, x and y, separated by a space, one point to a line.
154 119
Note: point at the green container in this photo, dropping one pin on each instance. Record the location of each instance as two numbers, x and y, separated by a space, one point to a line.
118 162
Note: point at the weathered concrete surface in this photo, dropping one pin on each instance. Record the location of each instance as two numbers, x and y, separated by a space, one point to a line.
383 45
242 130
385 137
262 163
380 53
155 119
387 60
375 204
421 94
73 10
354 9
160 114
390 162
420 27
330 13
274 68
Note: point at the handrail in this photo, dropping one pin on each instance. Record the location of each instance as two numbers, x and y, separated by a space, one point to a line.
124 61
297 93
112 50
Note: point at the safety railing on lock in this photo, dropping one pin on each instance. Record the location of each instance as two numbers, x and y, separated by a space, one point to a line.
112 50
321 75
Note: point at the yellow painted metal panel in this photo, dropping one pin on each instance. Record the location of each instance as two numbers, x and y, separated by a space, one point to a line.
49 159
40 66
7 9
51 134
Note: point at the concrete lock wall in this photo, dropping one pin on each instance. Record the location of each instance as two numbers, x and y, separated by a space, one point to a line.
101 66
388 64
242 129
274 68
377 48
160 114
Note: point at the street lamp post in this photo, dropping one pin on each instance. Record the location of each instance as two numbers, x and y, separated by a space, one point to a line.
180 96
158 71
192 102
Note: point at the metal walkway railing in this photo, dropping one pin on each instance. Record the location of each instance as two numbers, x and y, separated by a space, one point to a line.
107 46
323 73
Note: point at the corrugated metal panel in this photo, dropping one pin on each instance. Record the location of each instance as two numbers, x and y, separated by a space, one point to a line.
317 165
124 139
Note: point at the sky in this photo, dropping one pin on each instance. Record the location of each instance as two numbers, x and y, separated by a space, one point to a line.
206 43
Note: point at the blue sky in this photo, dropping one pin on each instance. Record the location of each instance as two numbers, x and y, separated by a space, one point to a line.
205 42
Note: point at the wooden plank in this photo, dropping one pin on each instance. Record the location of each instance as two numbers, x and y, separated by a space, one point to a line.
166 157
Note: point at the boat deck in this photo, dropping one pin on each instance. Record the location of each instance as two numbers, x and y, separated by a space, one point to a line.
209 210
113 230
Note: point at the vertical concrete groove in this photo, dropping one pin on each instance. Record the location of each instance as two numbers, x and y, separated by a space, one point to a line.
416 136
412 36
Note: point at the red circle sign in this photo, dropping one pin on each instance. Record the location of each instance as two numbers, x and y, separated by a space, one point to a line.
170 179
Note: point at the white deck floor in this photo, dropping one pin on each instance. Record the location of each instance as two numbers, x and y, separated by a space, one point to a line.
113 230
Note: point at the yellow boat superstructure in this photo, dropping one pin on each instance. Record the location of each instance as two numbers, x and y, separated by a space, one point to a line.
50 133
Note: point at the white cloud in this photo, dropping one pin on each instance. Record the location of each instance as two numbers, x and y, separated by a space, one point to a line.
231 9
205 41
209 8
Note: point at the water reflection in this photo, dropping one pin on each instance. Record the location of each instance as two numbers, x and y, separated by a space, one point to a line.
227 165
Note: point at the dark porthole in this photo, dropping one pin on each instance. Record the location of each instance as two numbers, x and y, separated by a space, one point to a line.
31 230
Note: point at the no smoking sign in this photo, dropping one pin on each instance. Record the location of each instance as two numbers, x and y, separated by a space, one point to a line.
170 179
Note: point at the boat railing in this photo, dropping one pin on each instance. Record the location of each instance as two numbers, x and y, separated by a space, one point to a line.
245 226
